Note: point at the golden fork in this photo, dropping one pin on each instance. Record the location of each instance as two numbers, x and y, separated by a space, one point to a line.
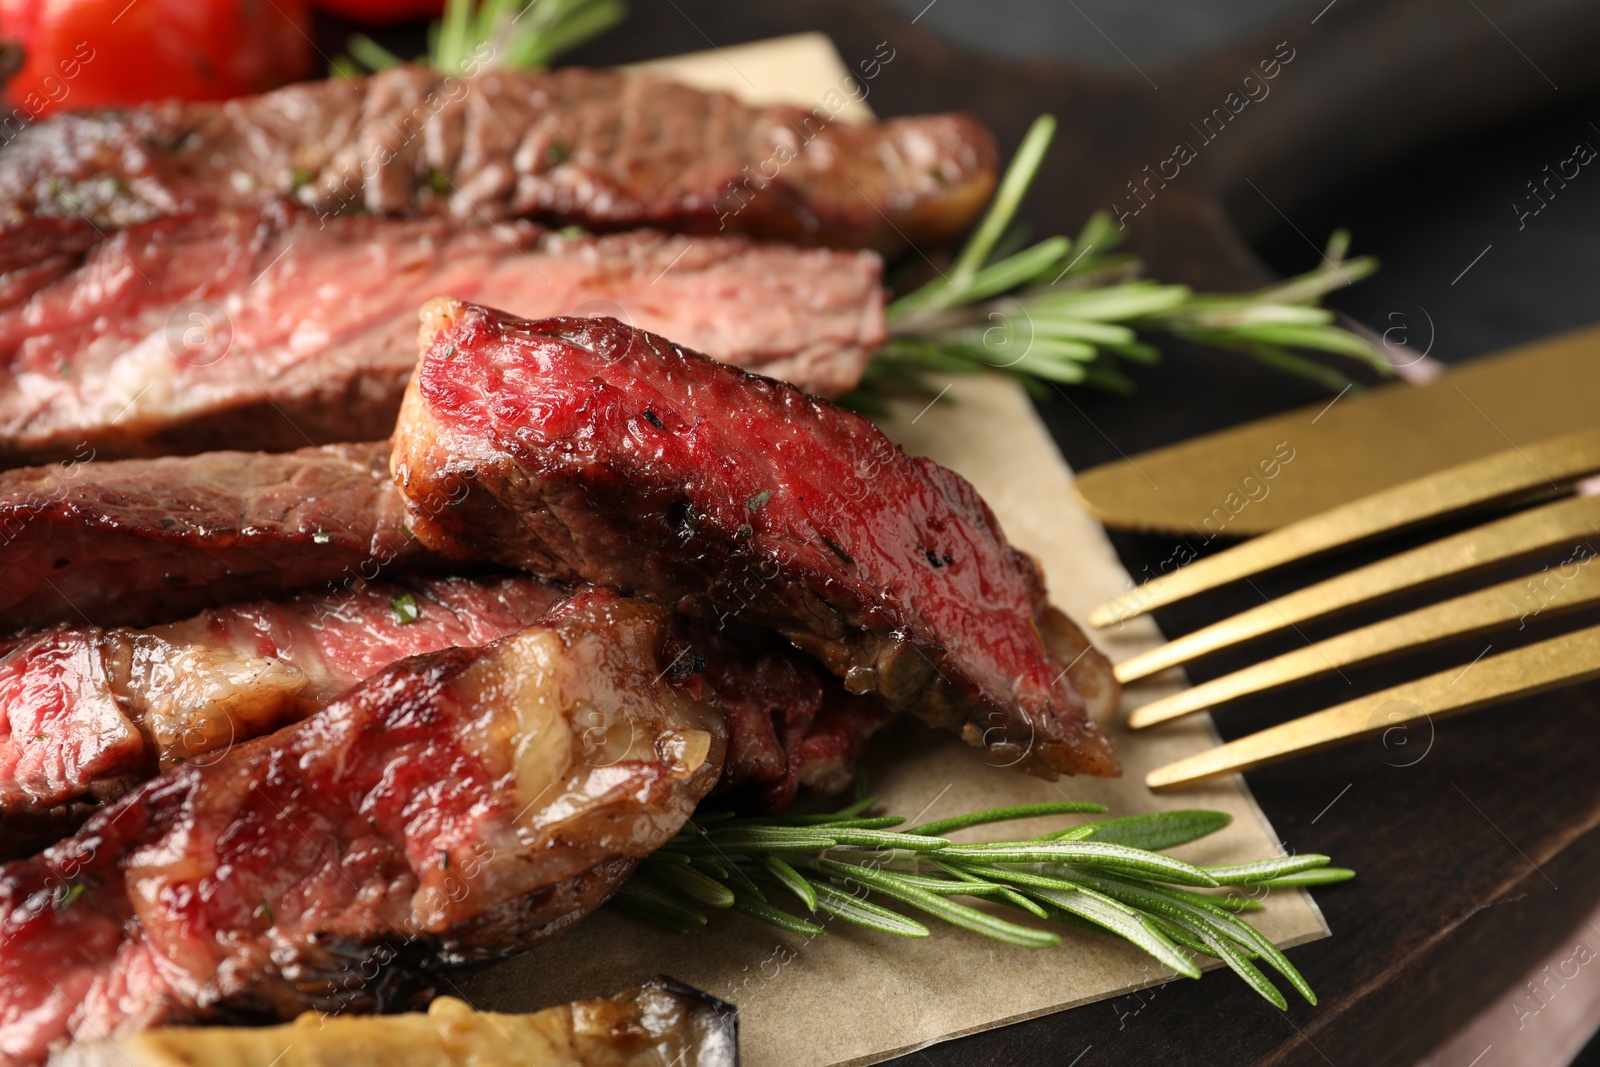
1517 476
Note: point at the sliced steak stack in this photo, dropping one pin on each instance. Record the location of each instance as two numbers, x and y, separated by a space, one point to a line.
585 449
269 328
88 710
452 810
601 149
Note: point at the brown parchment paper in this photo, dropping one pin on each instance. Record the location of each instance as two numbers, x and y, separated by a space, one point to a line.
854 996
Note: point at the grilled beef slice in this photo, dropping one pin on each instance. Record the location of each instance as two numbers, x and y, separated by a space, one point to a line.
452 810
585 449
601 149
140 541
268 328
87 713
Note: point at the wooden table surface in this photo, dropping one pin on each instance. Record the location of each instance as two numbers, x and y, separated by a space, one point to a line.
1475 841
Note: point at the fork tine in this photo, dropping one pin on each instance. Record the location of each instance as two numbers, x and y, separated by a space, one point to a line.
1496 607
1560 661
1563 522
1503 477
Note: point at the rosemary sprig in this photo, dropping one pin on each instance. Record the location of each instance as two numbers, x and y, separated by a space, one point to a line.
505 34
1107 875
1068 311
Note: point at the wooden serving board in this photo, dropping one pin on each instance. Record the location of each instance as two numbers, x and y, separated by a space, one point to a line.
1460 853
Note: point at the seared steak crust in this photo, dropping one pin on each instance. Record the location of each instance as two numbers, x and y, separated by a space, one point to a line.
269 328
580 448
142 541
453 809
602 149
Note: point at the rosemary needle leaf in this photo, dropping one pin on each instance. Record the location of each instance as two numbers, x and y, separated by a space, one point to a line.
979 887
1316 876
1162 830
1265 870
1101 333
645 896
1098 235
1178 933
954 287
752 841
1207 901
1149 864
1049 370
791 880
742 882
854 909
993 815
370 53
1205 917
1044 347
1281 359
843 822
1295 335
1229 312
1137 351
691 883
1015 270
1122 921
1015 240
861 805
1013 186
934 904
706 866
1126 301
588 20
1241 966
508 34
885 839
1077 922
756 909
1237 903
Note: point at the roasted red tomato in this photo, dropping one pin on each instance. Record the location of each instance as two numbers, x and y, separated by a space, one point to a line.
97 53
381 10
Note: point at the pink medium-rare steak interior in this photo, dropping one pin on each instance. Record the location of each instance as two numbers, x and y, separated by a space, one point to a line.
451 810
602 149
271 328
587 449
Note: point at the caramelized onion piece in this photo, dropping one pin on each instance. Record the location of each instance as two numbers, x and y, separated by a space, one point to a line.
660 1024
